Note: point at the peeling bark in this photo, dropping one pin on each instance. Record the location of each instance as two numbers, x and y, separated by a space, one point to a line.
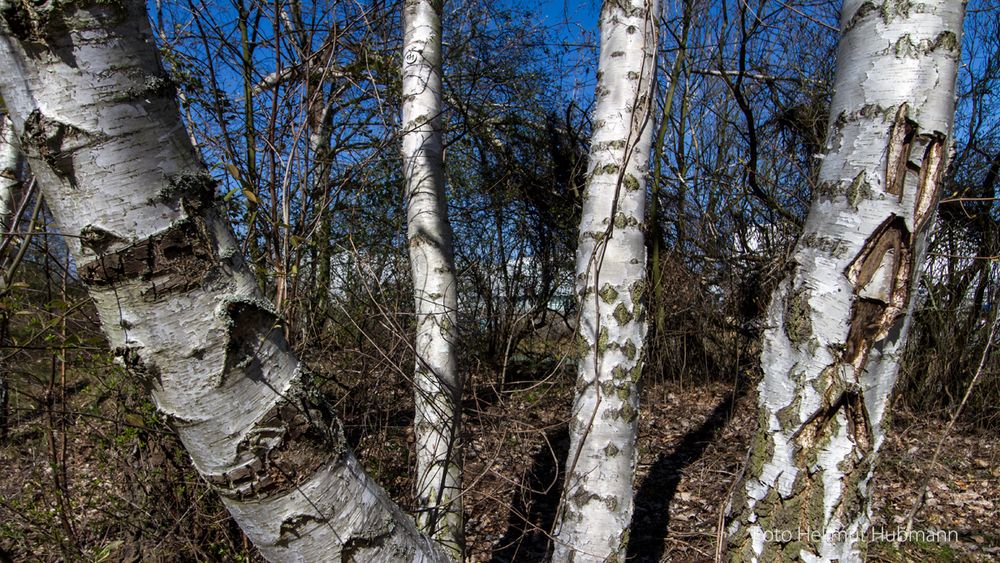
805 492
437 383
596 507
176 299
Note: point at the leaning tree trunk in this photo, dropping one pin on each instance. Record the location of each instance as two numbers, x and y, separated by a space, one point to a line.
596 507
98 122
839 321
437 384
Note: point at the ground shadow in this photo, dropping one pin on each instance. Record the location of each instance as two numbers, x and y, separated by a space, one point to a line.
652 501
533 509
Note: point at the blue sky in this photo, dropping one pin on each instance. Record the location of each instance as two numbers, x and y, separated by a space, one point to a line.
576 12
574 24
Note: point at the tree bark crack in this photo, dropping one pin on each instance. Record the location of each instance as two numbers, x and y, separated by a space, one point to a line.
175 260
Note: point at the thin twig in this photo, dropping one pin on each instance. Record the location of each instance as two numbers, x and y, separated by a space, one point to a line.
951 424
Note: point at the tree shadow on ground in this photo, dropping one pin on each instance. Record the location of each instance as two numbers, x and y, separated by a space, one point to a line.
651 518
533 509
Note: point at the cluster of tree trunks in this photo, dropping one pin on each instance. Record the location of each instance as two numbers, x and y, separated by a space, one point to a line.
96 117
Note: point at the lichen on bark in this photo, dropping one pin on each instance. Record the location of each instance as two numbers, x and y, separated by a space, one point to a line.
178 304
837 325
596 505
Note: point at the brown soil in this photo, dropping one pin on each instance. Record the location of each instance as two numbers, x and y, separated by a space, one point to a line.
693 442
132 494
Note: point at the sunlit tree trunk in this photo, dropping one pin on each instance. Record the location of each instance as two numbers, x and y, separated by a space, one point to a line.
9 156
839 320
596 507
319 144
437 384
98 123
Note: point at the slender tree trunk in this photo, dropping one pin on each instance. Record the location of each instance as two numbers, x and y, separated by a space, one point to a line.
596 507
320 113
98 122
9 159
437 384
840 319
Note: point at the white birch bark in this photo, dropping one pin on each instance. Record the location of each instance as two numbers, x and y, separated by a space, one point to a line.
99 125
437 384
9 157
839 321
596 507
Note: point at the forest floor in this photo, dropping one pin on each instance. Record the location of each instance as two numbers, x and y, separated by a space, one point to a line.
130 494
692 442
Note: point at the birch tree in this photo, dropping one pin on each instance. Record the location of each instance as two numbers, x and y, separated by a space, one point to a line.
596 507
839 320
437 384
97 120
9 157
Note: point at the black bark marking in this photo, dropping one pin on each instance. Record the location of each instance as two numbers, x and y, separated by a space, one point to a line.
288 445
194 190
18 20
44 22
851 402
900 143
862 12
148 374
251 325
97 239
859 425
174 260
294 528
873 315
298 434
807 500
821 426
55 143
362 548
152 86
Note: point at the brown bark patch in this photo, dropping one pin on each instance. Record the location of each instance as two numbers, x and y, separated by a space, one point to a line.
174 260
288 445
821 426
892 235
932 169
900 143
866 321
880 275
